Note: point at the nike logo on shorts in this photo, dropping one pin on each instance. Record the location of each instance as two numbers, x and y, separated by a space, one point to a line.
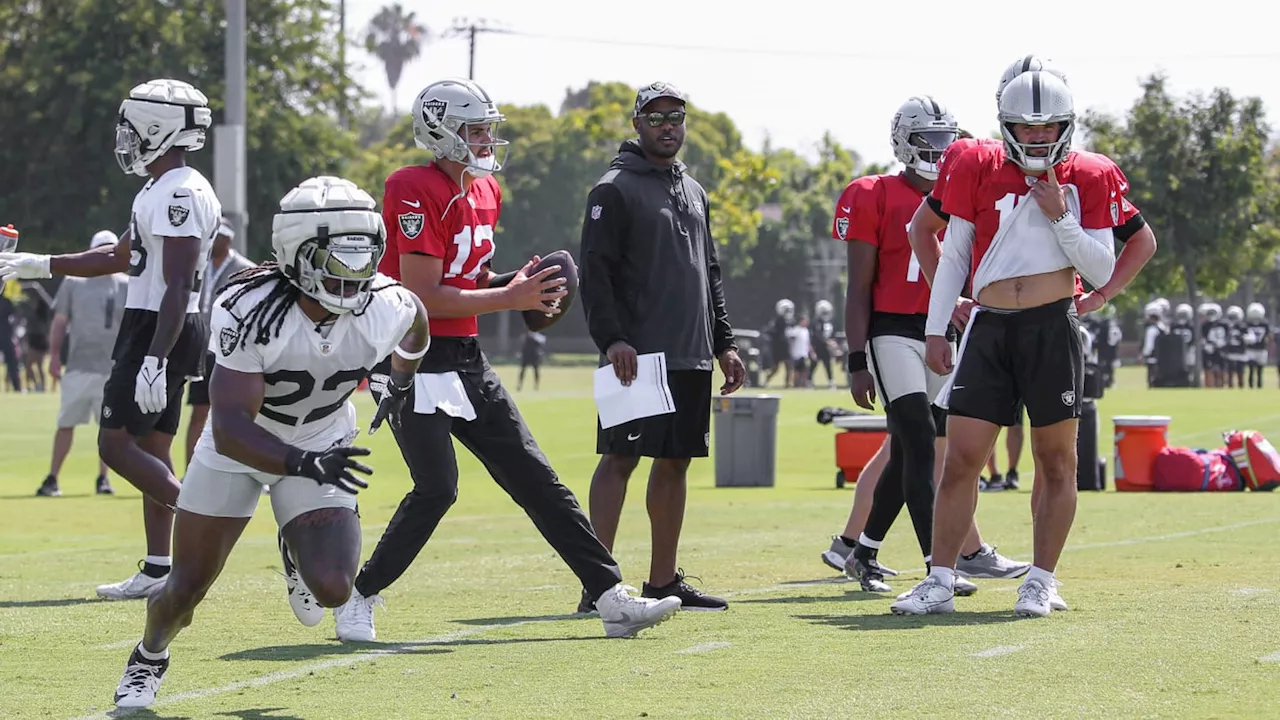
633 438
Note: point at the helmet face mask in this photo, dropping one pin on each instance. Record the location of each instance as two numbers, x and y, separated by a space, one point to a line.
921 130
456 120
338 272
1037 99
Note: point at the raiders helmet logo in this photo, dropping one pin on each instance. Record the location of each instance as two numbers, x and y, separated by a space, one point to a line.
227 341
411 224
178 215
1115 213
1069 397
842 227
433 111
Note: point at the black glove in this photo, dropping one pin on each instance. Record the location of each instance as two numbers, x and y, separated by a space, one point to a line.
331 467
392 391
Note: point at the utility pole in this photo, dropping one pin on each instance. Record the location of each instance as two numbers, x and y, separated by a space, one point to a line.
229 171
342 62
465 27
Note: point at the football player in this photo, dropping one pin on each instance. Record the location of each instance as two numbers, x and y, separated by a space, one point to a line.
1025 218
1235 352
440 219
1213 334
824 332
1183 316
162 335
1256 335
884 320
293 340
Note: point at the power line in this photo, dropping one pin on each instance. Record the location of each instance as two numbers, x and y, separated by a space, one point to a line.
462 27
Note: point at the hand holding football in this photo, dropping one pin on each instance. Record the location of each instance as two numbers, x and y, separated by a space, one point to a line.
559 302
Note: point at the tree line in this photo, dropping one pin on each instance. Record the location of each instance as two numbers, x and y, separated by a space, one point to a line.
1200 166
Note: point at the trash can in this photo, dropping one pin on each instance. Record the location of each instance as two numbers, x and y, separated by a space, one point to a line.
861 440
746 428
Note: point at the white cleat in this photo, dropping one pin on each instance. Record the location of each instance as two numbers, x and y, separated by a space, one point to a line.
139 585
1033 600
355 618
141 681
304 604
960 588
1055 600
926 598
625 614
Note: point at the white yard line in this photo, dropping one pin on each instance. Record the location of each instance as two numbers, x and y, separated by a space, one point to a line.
998 650
1273 657
704 647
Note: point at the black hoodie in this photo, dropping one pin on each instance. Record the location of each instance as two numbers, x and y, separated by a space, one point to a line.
649 274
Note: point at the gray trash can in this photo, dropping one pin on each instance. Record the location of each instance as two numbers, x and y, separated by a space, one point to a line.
746 428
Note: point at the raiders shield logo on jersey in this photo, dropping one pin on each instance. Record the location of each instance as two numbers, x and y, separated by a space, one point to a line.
178 215
433 111
227 341
842 227
411 224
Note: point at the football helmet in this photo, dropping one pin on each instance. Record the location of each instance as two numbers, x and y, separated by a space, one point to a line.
1210 311
328 239
442 114
921 129
823 309
1235 313
784 308
1256 312
1153 310
1024 64
1183 312
159 115
1037 98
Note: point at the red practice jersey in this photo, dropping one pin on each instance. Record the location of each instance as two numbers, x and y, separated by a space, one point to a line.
953 151
981 186
412 205
877 209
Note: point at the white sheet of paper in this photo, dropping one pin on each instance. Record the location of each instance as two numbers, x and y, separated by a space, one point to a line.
646 396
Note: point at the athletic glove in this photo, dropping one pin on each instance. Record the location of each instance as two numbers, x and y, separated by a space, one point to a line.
23 266
331 467
392 391
150 388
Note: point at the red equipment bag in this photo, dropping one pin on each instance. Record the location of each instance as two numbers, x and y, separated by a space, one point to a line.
1257 459
1180 469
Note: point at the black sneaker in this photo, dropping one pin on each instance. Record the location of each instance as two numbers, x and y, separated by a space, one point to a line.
49 488
103 486
1011 480
141 681
586 606
864 567
691 598
995 484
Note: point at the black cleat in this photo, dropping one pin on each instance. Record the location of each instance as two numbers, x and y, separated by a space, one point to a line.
691 598
49 488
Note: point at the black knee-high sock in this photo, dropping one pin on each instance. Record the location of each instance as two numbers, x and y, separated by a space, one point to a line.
887 501
913 418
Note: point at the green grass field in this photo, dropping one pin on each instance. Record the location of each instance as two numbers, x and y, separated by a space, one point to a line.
1173 597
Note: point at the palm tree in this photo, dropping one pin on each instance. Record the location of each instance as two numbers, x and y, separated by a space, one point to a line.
395 38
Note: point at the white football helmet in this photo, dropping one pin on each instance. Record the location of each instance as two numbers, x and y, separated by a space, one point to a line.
328 239
1235 313
1256 312
1037 98
1025 64
784 308
921 129
1184 312
1165 306
442 114
1210 311
159 115
1153 310
823 309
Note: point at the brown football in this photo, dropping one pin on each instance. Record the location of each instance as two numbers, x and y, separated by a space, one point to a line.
536 320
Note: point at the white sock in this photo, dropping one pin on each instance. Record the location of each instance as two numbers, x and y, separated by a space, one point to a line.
161 560
1039 574
944 575
868 542
162 655
928 559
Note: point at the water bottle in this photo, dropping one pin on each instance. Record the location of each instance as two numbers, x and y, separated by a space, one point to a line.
8 238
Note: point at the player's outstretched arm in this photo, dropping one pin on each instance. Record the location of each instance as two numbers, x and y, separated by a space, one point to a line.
238 398
102 260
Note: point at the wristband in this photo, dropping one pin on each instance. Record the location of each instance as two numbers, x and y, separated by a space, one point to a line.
1060 218
858 361
412 355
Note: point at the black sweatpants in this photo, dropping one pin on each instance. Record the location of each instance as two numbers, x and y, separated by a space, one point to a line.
499 438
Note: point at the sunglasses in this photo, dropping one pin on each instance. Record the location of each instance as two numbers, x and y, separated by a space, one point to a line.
655 119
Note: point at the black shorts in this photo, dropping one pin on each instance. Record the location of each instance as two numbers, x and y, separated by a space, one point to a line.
685 433
119 408
198 391
1213 361
939 421
1030 357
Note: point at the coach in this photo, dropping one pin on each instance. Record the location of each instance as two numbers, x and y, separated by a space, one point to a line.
651 283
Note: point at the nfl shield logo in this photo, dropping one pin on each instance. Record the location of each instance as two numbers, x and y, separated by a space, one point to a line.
178 215
411 224
227 341
842 227
326 347
1069 397
1115 213
433 111
595 212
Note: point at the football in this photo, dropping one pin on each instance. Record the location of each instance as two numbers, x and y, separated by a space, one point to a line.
536 320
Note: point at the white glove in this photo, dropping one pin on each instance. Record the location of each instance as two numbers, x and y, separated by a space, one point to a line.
23 266
149 390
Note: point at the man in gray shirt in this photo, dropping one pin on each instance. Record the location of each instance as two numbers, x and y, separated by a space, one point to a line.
87 313
223 263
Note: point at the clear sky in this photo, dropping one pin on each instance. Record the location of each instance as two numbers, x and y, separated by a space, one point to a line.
799 69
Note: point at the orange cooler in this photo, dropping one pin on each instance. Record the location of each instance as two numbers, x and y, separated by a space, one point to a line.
1139 439
861 438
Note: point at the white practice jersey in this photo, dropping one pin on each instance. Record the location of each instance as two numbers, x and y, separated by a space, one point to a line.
309 377
180 203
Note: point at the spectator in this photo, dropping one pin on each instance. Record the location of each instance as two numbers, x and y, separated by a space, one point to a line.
800 345
531 354
8 346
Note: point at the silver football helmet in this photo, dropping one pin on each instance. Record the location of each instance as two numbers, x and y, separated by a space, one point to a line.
1210 311
1024 64
1235 313
1183 312
1037 98
157 116
1256 312
328 239
921 130
823 309
444 114
784 308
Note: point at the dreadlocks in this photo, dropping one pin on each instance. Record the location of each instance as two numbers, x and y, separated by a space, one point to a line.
268 314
